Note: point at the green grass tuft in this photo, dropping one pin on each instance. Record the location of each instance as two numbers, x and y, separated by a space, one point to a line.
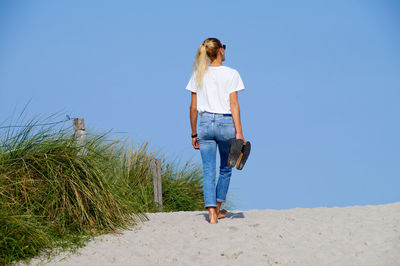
51 197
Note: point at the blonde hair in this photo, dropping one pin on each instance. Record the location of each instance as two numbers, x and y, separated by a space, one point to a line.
207 52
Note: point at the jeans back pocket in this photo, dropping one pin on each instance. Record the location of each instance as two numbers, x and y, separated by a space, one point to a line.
226 131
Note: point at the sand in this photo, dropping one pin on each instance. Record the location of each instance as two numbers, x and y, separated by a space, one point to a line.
354 235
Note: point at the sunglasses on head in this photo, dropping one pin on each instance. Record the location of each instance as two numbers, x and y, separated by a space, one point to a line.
224 46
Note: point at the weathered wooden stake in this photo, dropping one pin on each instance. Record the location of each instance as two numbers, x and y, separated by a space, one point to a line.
80 134
156 165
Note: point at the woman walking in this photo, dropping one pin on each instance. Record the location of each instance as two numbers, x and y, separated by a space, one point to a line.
214 97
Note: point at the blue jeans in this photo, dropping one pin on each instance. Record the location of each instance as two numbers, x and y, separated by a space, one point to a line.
215 130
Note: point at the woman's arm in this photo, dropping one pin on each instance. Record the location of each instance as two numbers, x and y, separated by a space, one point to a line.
233 99
193 119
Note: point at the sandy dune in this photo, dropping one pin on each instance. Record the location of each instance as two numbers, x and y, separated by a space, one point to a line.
354 235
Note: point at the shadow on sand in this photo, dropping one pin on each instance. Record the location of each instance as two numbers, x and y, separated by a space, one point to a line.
230 215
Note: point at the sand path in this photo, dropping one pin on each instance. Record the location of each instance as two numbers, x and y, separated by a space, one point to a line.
355 235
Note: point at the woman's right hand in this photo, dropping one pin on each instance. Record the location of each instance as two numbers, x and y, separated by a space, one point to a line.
239 136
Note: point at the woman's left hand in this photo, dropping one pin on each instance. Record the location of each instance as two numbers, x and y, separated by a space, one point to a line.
195 143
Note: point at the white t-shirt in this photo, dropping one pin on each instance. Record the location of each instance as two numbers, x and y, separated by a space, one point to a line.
218 83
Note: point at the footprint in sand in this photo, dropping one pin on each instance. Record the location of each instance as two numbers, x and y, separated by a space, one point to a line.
232 229
253 225
233 256
236 254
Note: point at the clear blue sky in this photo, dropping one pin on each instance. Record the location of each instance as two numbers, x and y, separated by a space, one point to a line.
321 105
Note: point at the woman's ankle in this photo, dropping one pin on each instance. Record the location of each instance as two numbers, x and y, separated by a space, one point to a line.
213 216
212 211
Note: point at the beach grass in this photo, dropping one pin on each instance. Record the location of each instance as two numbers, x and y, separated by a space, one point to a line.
53 197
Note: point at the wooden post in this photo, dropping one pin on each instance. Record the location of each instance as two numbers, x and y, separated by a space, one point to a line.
156 165
80 134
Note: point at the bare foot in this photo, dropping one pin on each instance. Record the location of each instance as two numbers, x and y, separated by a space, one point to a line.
222 214
213 218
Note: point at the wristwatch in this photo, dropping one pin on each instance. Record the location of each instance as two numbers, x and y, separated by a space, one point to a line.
195 135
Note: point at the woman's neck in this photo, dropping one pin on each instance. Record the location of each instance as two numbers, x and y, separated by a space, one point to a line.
216 62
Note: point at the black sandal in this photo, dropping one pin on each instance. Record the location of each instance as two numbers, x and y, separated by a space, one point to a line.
234 152
243 155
